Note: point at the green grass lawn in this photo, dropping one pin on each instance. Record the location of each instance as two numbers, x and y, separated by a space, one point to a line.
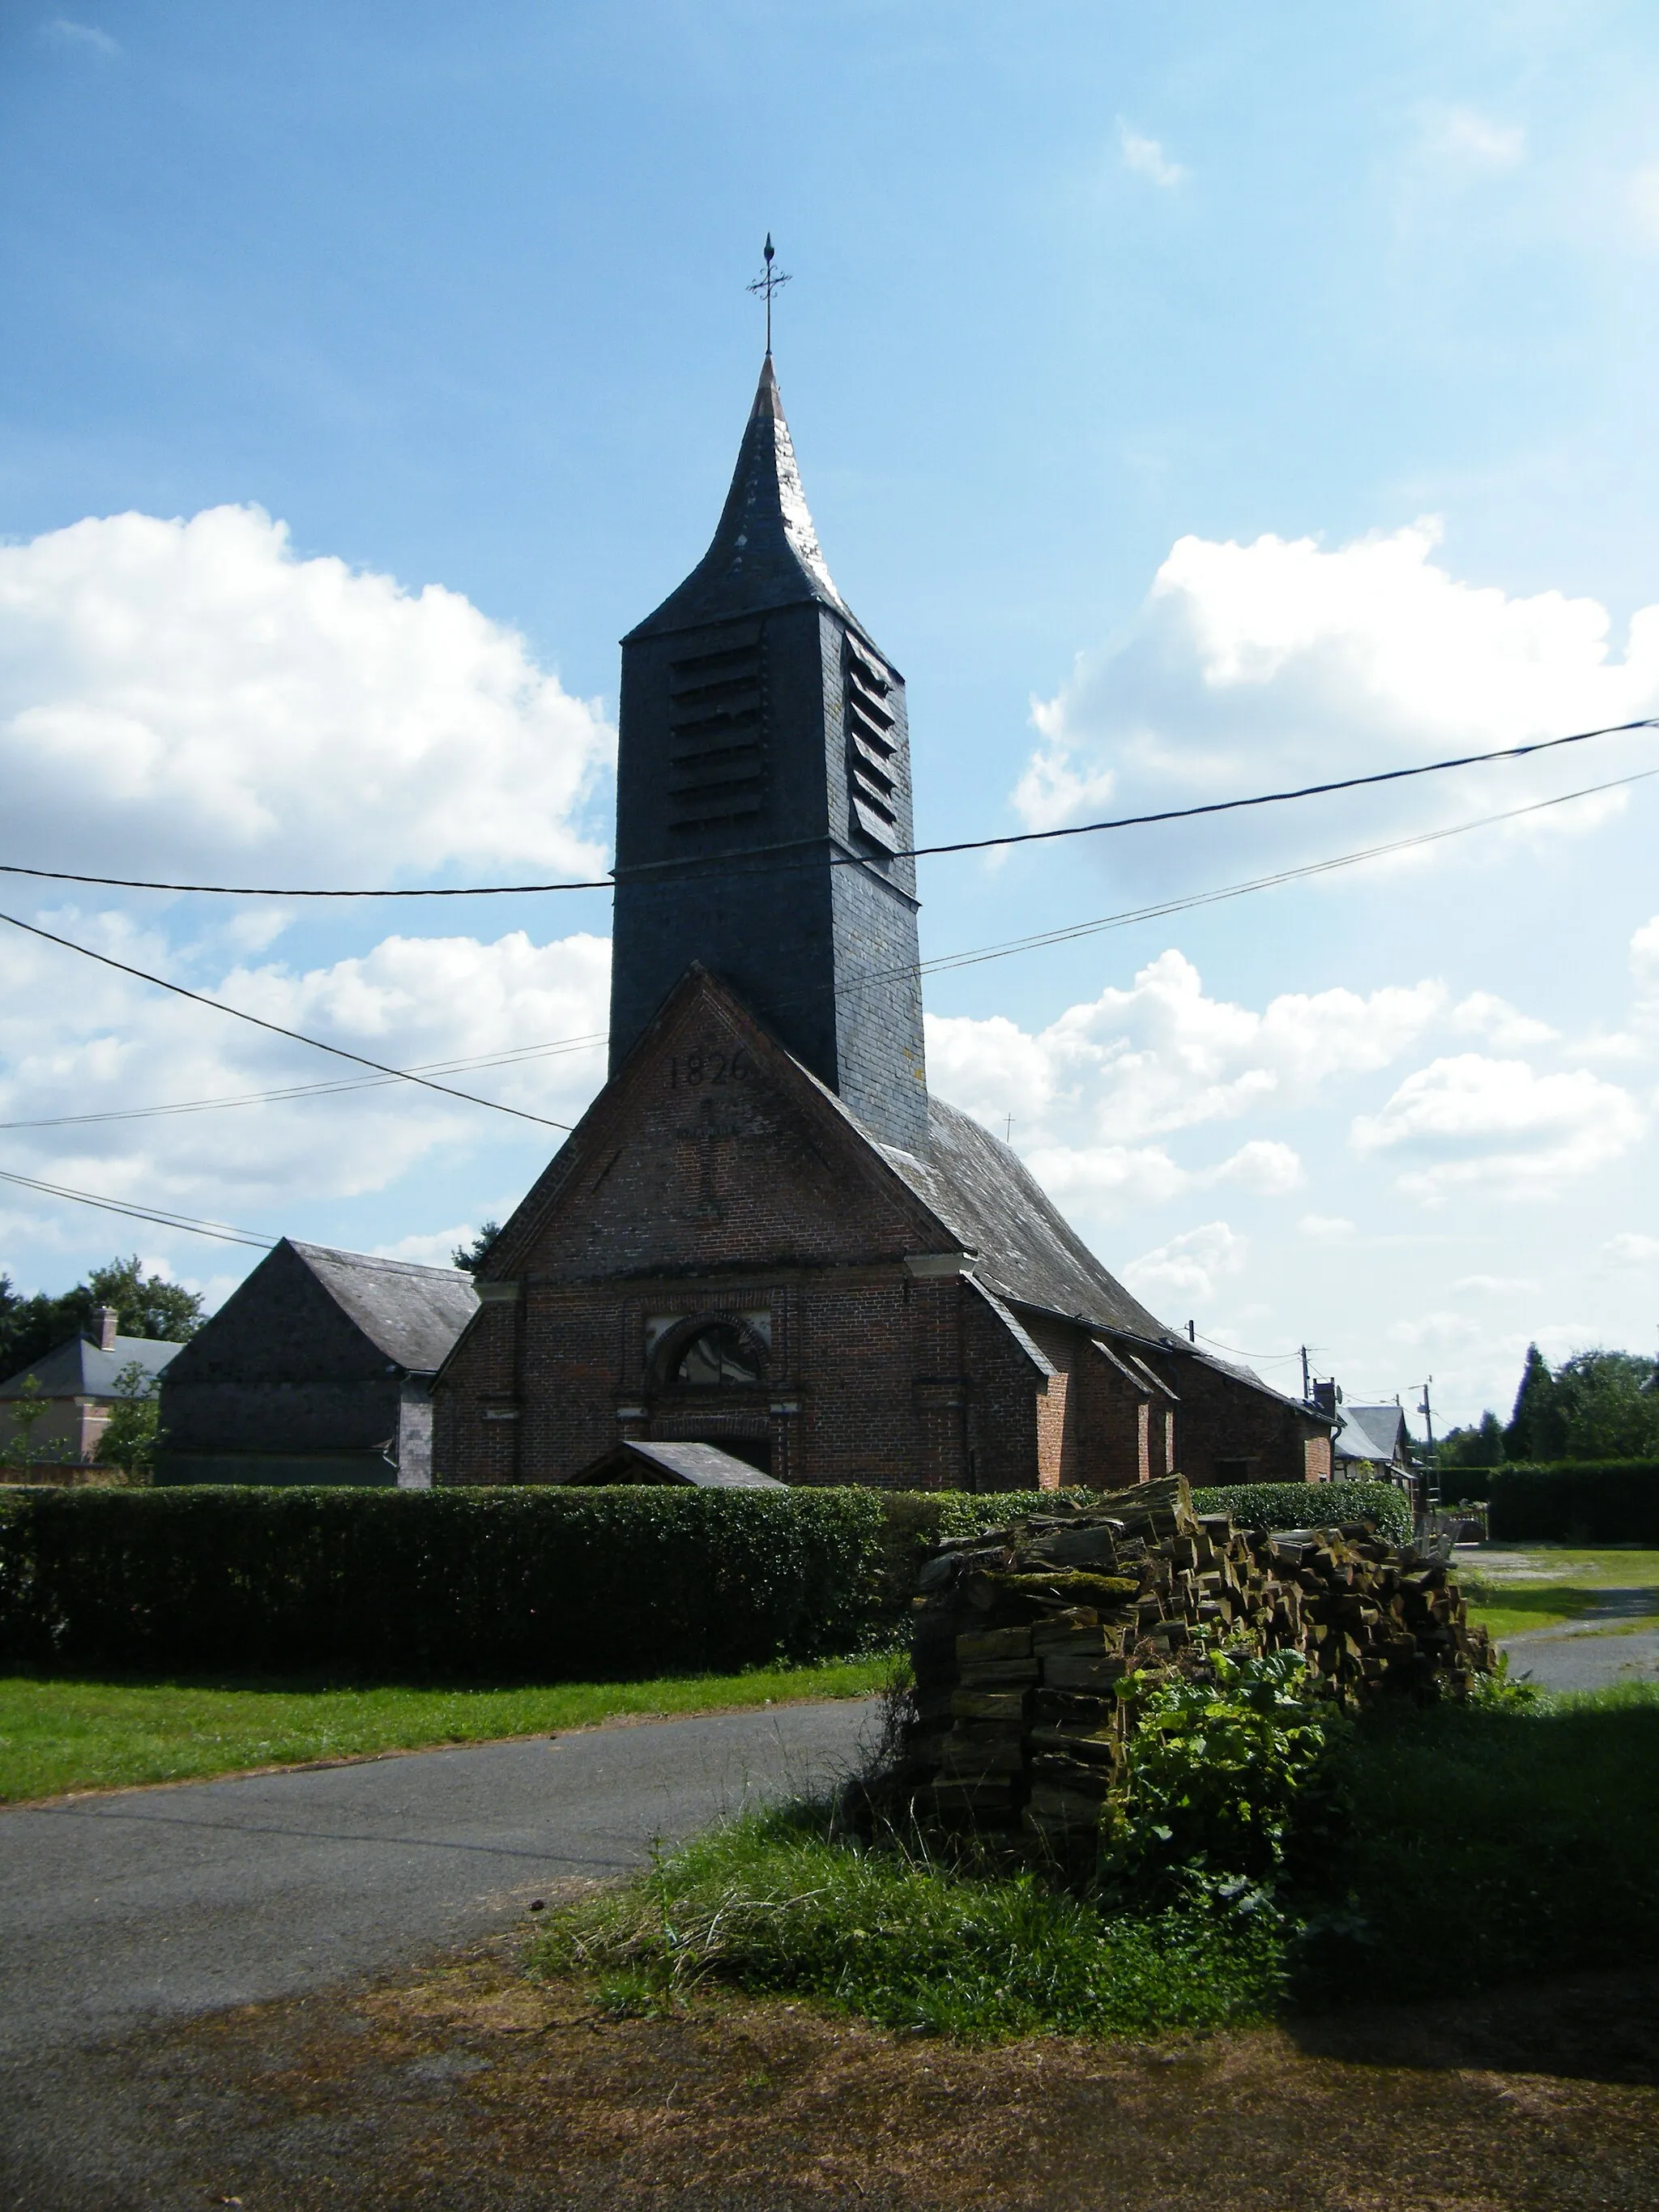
1514 1589
62 1732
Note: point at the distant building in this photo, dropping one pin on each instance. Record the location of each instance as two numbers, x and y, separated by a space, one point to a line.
317 1369
76 1379
765 1235
1371 1443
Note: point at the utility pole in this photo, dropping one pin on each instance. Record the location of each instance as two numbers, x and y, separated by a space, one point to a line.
1432 1480
1307 1379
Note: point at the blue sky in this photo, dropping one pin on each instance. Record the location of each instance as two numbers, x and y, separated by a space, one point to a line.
1083 296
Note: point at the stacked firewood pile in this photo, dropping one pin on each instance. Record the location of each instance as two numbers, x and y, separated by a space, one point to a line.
1022 1635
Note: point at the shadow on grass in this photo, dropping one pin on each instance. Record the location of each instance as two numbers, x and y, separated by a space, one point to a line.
1491 1850
1587 2027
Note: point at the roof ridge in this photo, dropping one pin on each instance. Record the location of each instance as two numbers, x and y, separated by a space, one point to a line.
379 1260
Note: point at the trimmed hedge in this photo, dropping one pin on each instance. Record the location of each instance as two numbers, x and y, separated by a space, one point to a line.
540 1584
1577 1501
1312 1505
546 1585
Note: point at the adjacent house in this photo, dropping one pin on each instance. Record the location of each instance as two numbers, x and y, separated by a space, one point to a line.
77 1382
1371 1443
318 1370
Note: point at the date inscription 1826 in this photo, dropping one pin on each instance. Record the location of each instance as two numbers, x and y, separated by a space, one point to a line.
708 1070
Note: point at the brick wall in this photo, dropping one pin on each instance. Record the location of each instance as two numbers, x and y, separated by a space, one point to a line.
713 1180
1229 1431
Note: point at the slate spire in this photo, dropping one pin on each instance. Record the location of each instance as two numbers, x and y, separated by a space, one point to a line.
765 552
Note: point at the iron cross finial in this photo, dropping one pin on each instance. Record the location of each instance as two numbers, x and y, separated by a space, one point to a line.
768 282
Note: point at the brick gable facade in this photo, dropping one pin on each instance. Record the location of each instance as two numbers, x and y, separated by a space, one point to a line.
717 1195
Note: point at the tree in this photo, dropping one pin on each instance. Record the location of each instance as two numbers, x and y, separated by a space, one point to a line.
1478 1448
27 1410
1536 1429
145 1305
1609 1406
133 1430
1597 1405
148 1305
472 1256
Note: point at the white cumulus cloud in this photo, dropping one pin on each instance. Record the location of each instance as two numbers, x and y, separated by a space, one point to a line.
1630 1248
84 38
1162 1054
107 1045
1468 1119
1147 158
1283 662
1191 1265
195 692
1462 138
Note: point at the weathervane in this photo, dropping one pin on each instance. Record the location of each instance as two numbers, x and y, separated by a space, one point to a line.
766 283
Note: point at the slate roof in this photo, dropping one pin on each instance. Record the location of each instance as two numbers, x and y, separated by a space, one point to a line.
1029 1254
79 1368
765 551
1370 1432
411 1314
700 1465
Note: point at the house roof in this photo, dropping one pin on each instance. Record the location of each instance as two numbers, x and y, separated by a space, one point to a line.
765 551
700 1465
1370 1432
1028 1253
78 1369
411 1314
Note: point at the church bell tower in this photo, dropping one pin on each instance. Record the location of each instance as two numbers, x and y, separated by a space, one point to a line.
764 802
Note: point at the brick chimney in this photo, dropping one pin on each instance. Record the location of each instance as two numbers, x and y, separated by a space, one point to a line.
106 1321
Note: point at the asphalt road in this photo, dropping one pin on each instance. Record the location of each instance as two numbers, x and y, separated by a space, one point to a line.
159 1904
1584 1658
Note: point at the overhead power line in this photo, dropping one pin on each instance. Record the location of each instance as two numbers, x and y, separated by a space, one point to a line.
909 853
1183 905
296 1036
869 980
292 1091
222 1230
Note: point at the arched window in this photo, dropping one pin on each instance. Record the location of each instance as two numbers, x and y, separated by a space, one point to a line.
723 1354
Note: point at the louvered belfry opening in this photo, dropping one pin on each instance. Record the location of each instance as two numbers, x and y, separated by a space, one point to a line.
717 726
764 802
873 768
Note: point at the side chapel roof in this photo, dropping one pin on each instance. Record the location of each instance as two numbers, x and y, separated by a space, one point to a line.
1027 1251
765 552
411 1314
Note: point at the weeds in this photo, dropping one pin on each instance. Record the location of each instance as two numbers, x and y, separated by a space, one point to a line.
775 1902
1264 1846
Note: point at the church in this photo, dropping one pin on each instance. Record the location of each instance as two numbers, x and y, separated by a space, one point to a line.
765 1234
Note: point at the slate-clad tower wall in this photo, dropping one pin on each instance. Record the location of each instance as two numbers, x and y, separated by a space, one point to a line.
764 796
